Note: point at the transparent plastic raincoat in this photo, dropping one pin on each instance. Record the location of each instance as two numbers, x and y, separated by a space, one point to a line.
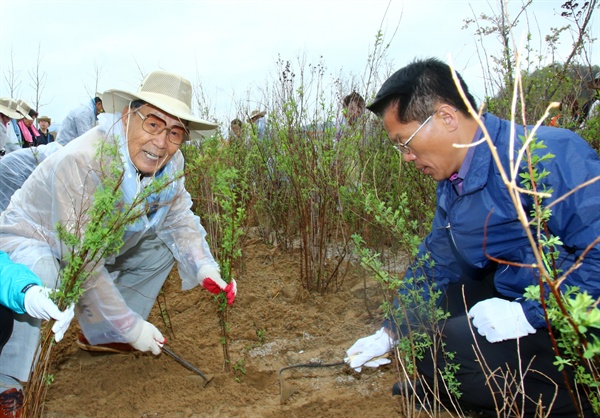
61 189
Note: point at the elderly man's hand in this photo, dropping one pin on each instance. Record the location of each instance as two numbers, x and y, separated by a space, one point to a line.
210 278
149 339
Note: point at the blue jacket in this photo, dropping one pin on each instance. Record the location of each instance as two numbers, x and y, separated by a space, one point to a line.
484 210
13 279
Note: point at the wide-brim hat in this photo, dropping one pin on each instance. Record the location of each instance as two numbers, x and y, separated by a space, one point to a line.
256 114
168 92
9 107
24 109
44 118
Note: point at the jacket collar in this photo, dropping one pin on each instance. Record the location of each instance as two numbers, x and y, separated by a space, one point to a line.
476 177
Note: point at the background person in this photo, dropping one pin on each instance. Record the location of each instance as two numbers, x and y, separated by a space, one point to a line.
8 111
424 115
590 107
80 120
17 166
235 130
118 297
45 136
353 109
29 132
15 140
258 122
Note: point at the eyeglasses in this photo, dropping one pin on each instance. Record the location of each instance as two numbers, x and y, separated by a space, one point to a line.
403 148
155 125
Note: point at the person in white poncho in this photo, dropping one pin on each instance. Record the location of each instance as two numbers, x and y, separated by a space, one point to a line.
150 125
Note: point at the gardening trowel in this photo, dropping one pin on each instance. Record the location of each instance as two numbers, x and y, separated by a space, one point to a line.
207 379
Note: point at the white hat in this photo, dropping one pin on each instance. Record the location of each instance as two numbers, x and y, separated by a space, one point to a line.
166 91
9 107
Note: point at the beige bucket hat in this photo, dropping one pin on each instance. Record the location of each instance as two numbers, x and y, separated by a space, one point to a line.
256 114
168 92
23 111
44 118
25 108
10 108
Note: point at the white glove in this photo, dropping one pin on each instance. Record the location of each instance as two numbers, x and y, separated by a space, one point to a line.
498 320
150 339
375 363
365 351
39 305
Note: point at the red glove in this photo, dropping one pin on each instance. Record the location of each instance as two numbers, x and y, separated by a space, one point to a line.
230 289
210 278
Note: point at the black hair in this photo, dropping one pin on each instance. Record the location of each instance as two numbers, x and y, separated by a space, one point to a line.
97 100
354 97
417 88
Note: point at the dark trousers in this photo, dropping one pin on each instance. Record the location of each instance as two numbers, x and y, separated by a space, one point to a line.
6 325
509 376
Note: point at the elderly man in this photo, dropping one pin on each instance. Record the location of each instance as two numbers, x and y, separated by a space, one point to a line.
149 127
476 223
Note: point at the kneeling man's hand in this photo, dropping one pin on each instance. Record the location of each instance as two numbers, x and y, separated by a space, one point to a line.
499 320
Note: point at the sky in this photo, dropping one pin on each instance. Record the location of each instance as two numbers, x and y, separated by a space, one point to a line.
230 47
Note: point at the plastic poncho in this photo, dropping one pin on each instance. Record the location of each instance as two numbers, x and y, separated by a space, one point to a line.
17 166
3 136
13 142
60 190
78 121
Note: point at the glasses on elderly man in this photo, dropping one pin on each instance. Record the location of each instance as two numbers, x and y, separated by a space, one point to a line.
155 125
403 148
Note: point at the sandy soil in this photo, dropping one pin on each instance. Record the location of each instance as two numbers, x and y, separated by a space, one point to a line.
274 324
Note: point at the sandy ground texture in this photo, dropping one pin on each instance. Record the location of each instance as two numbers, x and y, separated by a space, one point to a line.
274 324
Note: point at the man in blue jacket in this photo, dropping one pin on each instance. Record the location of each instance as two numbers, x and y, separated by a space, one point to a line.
478 244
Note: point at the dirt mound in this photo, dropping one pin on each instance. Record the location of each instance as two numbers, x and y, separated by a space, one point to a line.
274 324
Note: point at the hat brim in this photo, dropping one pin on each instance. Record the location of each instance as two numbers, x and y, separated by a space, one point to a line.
13 114
257 115
24 114
117 100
